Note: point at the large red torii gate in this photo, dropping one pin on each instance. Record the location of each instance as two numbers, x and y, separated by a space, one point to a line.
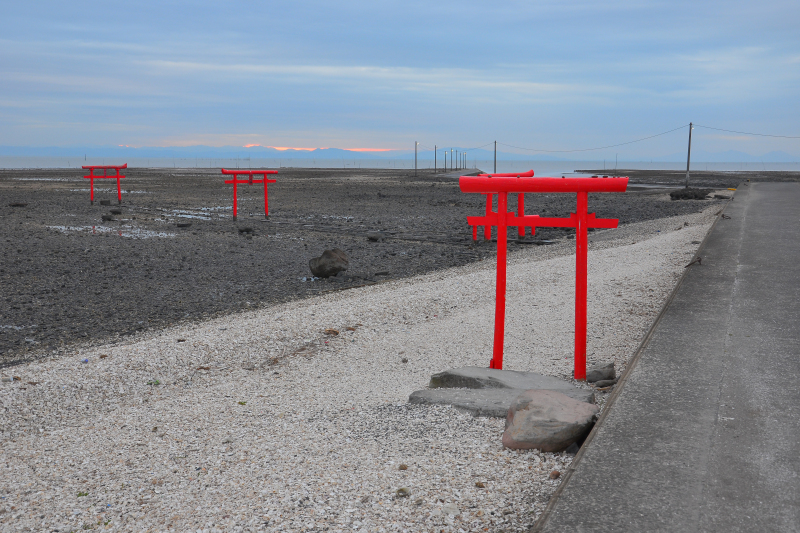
581 220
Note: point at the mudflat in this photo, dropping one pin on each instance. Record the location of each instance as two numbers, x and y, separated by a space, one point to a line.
73 273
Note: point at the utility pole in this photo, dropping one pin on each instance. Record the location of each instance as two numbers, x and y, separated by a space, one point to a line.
435 153
495 157
415 157
689 155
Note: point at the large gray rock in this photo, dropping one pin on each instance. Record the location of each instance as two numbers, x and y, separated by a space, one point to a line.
600 373
547 420
330 263
493 403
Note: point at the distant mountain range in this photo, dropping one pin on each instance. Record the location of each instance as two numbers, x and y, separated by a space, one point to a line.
262 152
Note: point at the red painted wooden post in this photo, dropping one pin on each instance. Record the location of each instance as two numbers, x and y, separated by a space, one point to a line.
581 281
521 213
487 229
119 190
266 198
234 197
500 305
581 220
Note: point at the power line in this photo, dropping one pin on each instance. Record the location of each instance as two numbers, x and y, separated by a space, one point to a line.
462 149
747 133
598 148
628 142
478 147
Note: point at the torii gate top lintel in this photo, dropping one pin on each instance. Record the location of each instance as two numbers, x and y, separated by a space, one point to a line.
497 183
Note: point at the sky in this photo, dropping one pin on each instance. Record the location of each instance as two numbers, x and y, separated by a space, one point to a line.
535 76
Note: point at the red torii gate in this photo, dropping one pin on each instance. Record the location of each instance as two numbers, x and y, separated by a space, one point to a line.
581 220
105 168
250 181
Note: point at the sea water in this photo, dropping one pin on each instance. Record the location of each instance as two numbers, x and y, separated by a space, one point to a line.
541 168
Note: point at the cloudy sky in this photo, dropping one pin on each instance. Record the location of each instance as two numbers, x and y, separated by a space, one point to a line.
548 75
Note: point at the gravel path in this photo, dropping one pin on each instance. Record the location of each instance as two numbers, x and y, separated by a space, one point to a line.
263 421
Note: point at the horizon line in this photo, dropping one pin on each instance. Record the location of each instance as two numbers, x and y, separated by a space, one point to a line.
283 148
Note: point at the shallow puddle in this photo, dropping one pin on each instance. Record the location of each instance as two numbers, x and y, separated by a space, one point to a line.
123 231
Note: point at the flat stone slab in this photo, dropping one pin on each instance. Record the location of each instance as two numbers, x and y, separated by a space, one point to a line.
493 403
475 377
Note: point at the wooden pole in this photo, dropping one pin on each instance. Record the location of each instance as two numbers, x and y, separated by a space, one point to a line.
689 155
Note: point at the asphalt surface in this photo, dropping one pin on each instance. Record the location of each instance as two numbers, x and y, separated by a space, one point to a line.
703 433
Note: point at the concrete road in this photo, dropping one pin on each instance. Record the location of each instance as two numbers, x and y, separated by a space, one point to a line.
704 432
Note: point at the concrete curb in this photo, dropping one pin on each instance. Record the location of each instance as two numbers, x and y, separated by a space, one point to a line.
538 527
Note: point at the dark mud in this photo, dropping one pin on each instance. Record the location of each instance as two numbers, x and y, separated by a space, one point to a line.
69 277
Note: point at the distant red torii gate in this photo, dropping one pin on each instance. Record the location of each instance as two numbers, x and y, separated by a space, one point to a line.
581 220
250 181
105 168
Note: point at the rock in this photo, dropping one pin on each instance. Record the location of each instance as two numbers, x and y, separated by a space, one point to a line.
17 204
246 230
183 224
600 372
572 449
605 383
115 211
403 492
107 218
451 509
555 474
547 420
330 263
493 403
721 197
376 236
105 202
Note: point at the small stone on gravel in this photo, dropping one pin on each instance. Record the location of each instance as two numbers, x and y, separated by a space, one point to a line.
600 372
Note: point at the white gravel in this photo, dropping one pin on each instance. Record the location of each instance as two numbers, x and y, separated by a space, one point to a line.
262 422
